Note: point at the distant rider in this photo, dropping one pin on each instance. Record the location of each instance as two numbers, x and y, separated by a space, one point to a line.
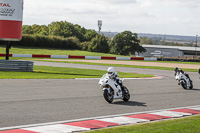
114 75
199 72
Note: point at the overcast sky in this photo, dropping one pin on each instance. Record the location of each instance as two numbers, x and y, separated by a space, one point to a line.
171 17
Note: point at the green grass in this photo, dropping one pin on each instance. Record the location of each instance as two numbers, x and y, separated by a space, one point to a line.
51 51
121 65
44 72
183 125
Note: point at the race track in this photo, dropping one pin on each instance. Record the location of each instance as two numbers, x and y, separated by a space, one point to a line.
26 101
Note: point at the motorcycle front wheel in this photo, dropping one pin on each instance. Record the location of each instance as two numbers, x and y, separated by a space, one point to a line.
184 84
191 85
108 96
126 95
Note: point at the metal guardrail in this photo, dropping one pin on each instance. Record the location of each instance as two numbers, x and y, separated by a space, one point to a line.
13 65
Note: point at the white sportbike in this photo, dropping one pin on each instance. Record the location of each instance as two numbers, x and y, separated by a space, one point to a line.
112 90
183 80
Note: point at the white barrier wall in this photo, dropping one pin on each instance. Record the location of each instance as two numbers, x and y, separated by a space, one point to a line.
150 59
60 56
123 58
22 55
93 57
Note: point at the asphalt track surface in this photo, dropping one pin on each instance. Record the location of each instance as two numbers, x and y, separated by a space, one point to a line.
33 101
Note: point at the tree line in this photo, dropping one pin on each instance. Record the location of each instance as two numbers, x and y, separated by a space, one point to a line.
66 35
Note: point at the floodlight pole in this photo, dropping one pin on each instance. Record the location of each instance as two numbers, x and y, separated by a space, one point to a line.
99 25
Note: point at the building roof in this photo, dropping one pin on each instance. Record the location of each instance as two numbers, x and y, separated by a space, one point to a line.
181 48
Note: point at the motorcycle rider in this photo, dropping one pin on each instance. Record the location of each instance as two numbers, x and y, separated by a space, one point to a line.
114 76
177 70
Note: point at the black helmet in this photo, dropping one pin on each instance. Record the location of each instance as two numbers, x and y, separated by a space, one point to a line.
176 69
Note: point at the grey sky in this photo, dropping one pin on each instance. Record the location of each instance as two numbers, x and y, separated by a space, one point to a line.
177 17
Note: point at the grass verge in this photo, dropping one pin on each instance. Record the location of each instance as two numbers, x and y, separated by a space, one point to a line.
44 72
121 65
51 51
183 125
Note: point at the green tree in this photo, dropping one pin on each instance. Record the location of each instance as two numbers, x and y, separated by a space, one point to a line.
80 33
85 45
62 28
44 30
36 28
126 43
90 34
66 29
27 29
99 44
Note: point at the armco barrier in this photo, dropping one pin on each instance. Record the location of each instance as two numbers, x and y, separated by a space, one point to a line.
11 65
78 57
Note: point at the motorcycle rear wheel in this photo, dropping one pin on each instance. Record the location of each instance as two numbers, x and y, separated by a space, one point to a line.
108 96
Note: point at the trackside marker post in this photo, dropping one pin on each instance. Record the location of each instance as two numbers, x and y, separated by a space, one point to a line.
11 14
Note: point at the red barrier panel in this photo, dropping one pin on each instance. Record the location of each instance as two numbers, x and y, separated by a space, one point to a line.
137 58
41 56
108 58
3 55
77 57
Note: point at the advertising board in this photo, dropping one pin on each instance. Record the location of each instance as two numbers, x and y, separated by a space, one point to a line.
11 14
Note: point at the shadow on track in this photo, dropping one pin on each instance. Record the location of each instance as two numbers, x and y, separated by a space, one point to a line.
130 103
195 89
